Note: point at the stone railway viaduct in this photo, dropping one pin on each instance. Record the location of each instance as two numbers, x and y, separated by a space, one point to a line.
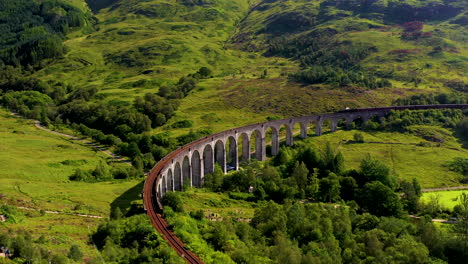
188 164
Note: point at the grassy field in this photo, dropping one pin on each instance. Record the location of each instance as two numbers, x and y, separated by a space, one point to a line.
35 166
216 205
405 158
447 199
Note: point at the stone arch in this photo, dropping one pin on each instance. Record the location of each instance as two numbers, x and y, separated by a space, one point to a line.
258 144
312 127
358 121
232 158
170 181
177 186
208 159
196 169
272 136
326 125
341 122
295 130
243 144
186 173
220 154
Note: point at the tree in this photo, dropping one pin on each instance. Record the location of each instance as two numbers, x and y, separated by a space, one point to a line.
75 253
299 174
411 195
358 137
204 72
461 225
313 187
329 190
270 218
332 160
348 188
173 200
285 251
380 200
375 170
116 213
214 180
310 158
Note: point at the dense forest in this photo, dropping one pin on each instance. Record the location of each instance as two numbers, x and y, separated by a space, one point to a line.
34 30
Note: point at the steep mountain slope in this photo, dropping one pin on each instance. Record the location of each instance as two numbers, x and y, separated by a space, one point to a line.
364 43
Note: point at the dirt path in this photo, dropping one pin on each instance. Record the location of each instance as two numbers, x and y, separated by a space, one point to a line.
445 221
57 212
37 123
445 189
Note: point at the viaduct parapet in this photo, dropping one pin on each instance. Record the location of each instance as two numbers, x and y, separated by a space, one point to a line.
188 165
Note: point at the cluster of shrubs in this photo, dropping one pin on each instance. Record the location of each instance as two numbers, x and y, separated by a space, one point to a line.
102 172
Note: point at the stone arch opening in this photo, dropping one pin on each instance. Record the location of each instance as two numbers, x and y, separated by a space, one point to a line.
208 159
186 173
326 126
170 181
311 128
164 184
257 145
232 158
220 154
373 122
357 122
177 178
295 131
196 169
272 139
341 123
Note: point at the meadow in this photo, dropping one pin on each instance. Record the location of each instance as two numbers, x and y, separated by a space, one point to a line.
402 152
447 199
35 166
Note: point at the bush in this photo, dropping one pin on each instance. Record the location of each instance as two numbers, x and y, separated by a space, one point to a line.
173 200
358 137
75 253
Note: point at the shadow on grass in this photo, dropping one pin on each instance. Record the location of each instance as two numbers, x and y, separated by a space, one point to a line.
130 202
462 138
97 5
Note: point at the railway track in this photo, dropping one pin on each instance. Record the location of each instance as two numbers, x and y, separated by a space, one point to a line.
154 210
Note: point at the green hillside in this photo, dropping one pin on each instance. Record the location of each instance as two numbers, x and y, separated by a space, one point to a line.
264 53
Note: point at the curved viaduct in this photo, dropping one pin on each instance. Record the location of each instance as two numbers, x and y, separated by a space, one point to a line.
187 165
